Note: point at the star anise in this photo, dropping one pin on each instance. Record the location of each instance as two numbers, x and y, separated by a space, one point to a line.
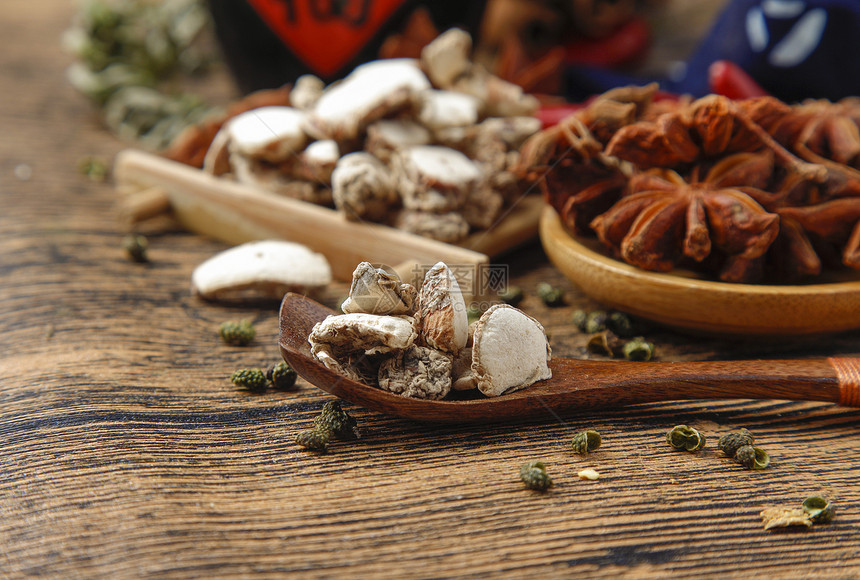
663 217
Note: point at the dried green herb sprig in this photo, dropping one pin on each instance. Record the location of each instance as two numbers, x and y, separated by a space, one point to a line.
314 440
338 422
282 376
752 457
535 477
239 333
252 379
586 442
819 509
551 295
685 438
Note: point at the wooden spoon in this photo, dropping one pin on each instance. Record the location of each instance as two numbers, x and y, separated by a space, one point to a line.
581 384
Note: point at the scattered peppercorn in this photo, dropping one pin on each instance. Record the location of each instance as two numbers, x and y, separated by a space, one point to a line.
638 349
135 247
586 442
334 420
534 475
685 438
237 333
314 439
620 324
819 509
512 295
282 376
578 319
595 322
752 457
252 379
551 295
95 168
731 442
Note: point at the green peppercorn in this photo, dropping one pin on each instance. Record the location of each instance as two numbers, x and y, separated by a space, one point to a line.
135 247
512 295
237 333
314 439
731 442
282 376
819 509
620 324
95 168
752 457
333 419
252 379
638 349
595 322
551 295
685 438
535 477
586 442
578 319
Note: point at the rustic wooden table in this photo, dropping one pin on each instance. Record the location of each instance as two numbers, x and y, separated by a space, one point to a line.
127 452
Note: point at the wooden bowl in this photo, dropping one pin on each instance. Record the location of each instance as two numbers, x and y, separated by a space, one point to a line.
681 301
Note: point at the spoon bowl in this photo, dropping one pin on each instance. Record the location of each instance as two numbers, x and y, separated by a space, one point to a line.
577 385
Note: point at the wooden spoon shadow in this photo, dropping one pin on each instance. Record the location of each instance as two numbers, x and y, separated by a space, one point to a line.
576 384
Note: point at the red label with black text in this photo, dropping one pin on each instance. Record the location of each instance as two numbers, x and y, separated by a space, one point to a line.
325 34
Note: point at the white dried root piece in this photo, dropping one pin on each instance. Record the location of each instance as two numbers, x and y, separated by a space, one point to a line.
373 90
317 162
447 57
441 318
433 178
450 227
363 187
279 179
439 110
269 133
462 376
376 291
306 91
782 517
386 136
510 351
265 269
512 131
343 342
418 372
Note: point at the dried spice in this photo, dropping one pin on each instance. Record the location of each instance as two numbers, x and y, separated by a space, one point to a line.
588 474
136 247
551 295
685 438
252 379
638 349
743 191
819 509
239 333
314 440
534 476
752 457
282 376
586 442
731 442
338 422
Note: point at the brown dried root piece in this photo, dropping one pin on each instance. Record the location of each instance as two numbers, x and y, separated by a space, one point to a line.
419 372
442 319
510 351
376 291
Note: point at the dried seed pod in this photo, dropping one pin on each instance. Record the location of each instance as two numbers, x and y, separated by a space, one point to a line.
731 442
314 439
586 442
135 247
605 343
442 318
534 475
282 376
819 509
264 269
333 419
638 349
783 517
510 351
418 372
237 333
551 295
752 457
252 379
379 291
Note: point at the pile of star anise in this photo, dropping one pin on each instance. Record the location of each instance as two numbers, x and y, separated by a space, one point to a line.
748 191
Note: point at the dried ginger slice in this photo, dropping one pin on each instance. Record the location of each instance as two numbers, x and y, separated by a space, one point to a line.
510 351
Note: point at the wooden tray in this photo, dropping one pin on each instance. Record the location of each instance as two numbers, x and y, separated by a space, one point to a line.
237 213
702 306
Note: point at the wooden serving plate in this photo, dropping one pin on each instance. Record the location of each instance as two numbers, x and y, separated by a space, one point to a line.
237 213
701 306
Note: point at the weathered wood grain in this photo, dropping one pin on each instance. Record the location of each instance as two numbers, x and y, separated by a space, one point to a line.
125 452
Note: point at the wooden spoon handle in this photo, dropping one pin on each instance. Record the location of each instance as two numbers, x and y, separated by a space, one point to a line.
848 376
